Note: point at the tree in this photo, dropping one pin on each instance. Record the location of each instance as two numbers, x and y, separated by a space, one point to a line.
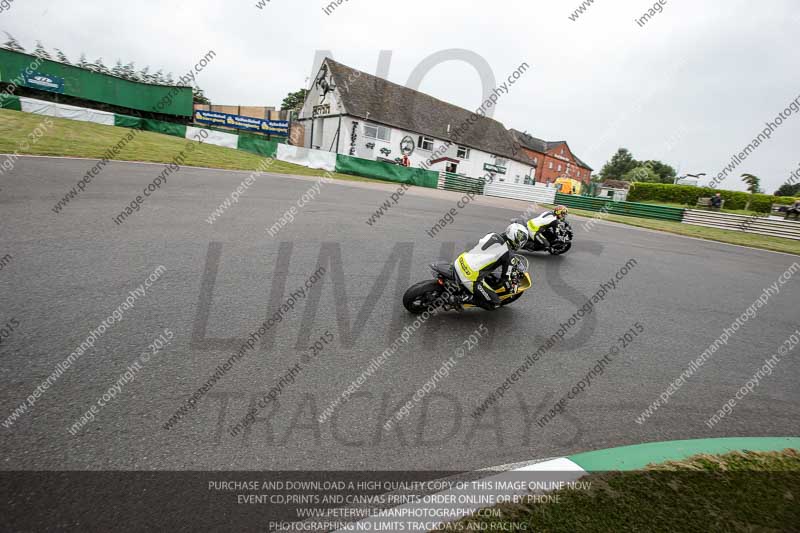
99 66
621 163
294 100
169 79
753 183
118 70
641 173
129 72
158 77
41 51
145 76
62 57
12 44
788 190
199 97
666 173
82 62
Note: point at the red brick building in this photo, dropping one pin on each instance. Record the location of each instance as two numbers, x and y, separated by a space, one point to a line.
554 159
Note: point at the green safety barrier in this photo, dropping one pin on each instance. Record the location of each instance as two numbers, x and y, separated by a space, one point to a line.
83 83
454 182
9 101
375 169
167 128
257 146
631 209
126 121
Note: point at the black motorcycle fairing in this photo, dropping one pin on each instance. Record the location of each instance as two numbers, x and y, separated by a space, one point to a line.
558 235
446 270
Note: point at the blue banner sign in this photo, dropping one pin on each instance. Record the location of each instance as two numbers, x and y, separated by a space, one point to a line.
271 127
44 82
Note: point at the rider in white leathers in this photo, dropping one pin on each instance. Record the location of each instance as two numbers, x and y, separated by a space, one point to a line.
536 225
493 251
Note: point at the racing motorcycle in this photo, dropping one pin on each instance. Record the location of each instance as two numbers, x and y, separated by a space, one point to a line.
554 234
446 292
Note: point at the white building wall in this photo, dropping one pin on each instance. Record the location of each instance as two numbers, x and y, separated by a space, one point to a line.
472 167
325 124
517 172
325 129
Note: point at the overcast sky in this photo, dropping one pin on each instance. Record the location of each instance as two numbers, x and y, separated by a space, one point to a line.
691 88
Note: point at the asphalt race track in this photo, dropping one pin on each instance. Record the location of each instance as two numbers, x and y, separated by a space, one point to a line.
70 271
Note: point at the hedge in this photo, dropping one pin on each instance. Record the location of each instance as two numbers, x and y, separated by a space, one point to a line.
688 195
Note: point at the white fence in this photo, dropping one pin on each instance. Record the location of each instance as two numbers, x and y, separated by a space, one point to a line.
538 193
52 109
218 138
306 157
760 225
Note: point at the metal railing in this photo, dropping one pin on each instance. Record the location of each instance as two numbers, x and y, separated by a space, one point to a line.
454 182
788 229
538 193
632 209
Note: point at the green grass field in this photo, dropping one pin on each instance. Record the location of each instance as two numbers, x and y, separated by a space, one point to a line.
739 491
85 139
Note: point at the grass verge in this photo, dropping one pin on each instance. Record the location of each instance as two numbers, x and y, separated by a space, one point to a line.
72 138
739 491
753 240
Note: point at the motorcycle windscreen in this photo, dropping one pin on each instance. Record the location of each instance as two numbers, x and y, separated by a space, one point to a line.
524 286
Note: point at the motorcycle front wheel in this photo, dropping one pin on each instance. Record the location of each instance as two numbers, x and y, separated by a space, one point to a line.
420 297
560 249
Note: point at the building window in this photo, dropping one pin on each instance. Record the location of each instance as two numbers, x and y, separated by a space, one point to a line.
562 151
425 143
382 133
550 166
463 152
500 162
559 167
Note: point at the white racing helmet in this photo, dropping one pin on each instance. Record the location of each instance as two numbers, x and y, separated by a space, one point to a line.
516 235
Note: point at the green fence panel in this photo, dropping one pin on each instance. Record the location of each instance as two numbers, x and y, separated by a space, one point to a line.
9 101
126 121
455 182
375 169
20 69
631 209
167 128
258 146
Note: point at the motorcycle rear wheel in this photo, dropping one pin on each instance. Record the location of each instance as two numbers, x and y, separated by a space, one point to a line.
558 250
419 297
